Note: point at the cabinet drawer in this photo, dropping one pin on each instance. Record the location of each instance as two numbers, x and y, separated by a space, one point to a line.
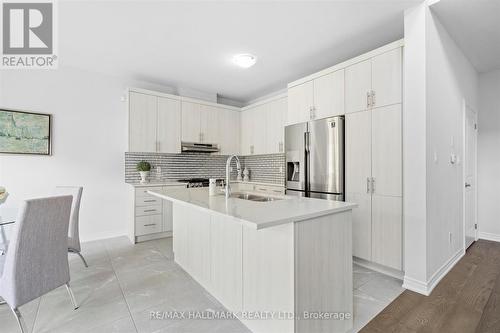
148 210
147 201
148 224
143 191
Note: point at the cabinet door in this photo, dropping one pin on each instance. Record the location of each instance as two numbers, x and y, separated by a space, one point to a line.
387 231
142 122
387 150
387 78
209 124
329 95
169 125
191 122
229 134
358 84
357 174
246 131
300 102
275 127
361 225
259 129
358 154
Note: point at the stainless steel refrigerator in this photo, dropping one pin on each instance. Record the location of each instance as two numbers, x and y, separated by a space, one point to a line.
315 159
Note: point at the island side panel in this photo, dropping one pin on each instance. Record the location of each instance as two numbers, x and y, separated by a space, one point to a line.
268 276
323 272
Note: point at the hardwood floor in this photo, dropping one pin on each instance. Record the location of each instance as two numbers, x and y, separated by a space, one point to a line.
466 300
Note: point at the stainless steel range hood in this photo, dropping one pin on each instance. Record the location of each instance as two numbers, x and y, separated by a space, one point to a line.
199 147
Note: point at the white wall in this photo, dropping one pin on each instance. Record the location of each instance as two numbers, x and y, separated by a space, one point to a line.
437 99
489 155
89 141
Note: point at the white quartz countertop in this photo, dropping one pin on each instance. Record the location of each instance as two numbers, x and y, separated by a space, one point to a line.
158 183
255 214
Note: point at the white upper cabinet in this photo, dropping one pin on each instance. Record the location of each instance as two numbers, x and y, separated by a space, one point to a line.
169 125
209 124
154 123
374 83
246 137
358 86
275 126
329 95
300 103
387 78
191 122
319 98
142 122
229 134
262 127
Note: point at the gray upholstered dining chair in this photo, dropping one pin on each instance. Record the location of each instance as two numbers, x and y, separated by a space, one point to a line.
37 259
73 231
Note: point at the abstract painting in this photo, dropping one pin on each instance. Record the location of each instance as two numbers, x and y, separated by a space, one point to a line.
24 132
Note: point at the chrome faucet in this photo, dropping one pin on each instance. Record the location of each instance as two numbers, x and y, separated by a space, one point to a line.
228 173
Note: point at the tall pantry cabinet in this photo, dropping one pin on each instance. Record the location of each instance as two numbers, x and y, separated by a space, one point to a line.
373 103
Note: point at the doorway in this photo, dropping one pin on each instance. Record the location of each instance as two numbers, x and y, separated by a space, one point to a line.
469 179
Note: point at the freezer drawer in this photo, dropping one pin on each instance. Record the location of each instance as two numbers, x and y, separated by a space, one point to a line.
327 196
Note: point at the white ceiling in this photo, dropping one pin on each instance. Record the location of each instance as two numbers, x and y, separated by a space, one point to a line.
475 27
190 44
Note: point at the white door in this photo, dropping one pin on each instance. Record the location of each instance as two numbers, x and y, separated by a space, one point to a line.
169 125
358 85
470 176
300 103
329 95
191 122
357 176
387 78
142 122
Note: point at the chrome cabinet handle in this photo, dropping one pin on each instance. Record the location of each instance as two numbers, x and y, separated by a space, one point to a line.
467 185
150 210
373 185
368 99
153 200
373 98
368 190
150 224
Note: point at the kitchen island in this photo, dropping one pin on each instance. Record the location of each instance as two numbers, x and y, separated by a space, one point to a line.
281 264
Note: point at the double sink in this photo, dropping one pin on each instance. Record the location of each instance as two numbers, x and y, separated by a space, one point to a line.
253 197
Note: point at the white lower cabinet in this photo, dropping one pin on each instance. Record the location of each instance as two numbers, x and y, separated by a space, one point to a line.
152 216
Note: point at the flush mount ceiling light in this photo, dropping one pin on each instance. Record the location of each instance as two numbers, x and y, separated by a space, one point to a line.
245 60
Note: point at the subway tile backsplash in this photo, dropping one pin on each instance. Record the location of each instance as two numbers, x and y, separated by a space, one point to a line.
268 168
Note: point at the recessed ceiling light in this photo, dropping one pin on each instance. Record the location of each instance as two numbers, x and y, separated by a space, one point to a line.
245 60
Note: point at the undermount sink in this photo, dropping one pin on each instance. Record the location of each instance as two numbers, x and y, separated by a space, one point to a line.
253 197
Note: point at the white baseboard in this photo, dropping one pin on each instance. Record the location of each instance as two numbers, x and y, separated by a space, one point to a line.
379 268
489 236
425 288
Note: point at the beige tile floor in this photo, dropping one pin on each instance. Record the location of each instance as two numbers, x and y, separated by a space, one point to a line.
125 282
